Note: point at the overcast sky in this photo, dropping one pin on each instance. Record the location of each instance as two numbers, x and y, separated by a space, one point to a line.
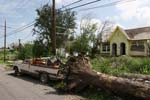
135 13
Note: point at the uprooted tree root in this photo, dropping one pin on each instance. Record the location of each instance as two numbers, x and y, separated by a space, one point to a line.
80 75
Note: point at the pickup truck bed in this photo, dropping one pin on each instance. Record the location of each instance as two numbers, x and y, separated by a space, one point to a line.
44 71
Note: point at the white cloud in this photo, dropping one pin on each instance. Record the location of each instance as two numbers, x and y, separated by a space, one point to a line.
138 9
144 15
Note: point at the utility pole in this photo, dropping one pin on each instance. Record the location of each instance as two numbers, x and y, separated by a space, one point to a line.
5 41
53 28
19 45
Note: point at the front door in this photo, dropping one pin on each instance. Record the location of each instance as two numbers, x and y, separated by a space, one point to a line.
114 49
122 49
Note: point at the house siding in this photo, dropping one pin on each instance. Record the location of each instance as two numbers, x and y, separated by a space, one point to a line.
118 38
138 53
125 43
146 48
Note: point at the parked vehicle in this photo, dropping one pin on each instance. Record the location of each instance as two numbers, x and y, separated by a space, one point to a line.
45 69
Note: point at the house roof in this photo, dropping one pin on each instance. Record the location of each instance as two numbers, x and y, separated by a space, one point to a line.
122 30
138 33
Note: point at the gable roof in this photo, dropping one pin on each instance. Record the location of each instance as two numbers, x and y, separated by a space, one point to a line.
138 33
121 30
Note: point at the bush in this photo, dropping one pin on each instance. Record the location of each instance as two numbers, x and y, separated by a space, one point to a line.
123 64
101 64
25 52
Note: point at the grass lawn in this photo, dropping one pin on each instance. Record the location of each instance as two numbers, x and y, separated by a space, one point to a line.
116 66
7 65
2 62
124 64
8 53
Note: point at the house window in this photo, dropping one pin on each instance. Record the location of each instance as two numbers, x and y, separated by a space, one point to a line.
105 47
137 46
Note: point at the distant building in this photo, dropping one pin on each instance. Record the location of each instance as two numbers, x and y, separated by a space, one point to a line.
131 42
2 49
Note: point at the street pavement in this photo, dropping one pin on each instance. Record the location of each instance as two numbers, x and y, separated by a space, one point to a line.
26 88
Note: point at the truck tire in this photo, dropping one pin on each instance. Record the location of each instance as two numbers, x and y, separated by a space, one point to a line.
60 74
16 71
44 78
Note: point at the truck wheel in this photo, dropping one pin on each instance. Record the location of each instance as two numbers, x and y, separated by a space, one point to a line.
16 71
60 74
44 78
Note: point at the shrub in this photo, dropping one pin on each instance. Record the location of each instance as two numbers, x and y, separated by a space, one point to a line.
101 64
123 64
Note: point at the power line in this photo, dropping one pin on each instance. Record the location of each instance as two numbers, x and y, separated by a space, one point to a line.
26 36
101 6
20 30
71 4
107 5
33 22
4 26
85 4
22 27
69 9
65 6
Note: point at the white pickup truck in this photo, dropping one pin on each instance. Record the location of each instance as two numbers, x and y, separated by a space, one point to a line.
43 68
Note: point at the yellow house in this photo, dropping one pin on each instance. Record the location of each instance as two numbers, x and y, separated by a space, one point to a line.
131 42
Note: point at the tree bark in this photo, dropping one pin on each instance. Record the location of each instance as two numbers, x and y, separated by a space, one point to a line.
135 76
82 75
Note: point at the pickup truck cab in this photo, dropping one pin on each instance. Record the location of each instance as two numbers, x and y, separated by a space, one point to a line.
45 69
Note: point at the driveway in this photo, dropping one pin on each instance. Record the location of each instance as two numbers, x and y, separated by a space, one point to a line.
27 88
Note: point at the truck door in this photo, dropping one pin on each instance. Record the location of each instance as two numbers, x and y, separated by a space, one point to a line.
34 67
25 65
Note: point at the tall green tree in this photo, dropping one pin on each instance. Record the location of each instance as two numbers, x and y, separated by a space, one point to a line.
90 37
65 25
82 43
25 51
39 49
105 27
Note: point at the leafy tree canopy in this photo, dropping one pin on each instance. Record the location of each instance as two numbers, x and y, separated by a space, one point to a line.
65 25
39 49
25 52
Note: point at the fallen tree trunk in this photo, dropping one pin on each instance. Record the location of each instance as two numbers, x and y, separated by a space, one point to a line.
81 74
135 76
